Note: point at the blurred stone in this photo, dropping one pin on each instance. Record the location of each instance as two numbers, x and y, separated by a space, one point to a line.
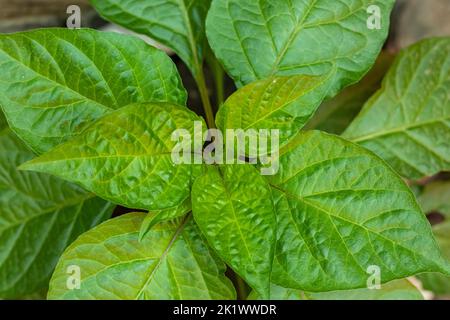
414 20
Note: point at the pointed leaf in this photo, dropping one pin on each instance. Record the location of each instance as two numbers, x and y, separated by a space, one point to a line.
341 210
258 39
155 217
126 157
407 122
233 208
282 103
39 216
172 262
56 81
178 24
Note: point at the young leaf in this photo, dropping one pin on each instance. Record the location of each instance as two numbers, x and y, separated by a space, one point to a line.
178 24
39 216
258 39
283 103
233 208
395 290
438 283
126 157
171 262
56 81
407 122
153 218
341 213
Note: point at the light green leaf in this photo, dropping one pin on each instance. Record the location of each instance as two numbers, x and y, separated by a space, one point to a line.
258 39
153 218
56 81
178 24
436 197
341 210
39 216
232 206
171 262
395 290
126 157
407 122
335 115
282 103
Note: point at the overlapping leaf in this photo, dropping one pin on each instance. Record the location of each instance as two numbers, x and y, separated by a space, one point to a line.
179 24
39 216
126 157
258 39
232 206
341 210
335 115
171 262
407 122
56 81
282 103
395 290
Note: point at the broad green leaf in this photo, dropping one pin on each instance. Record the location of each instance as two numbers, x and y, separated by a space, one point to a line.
178 24
171 262
436 197
342 210
407 122
395 290
39 216
56 81
438 283
259 39
153 218
282 103
126 157
233 208
335 115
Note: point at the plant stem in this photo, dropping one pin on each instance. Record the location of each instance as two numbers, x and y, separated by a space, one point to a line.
202 88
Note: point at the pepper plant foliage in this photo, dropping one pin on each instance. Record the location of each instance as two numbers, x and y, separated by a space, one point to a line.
91 115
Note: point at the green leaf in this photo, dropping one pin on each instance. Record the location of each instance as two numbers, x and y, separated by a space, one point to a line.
171 262
153 218
335 115
395 290
39 216
282 103
438 283
3 123
178 24
407 122
258 39
436 197
233 208
341 210
57 81
126 157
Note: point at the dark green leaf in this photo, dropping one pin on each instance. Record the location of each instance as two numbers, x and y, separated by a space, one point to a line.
56 81
39 216
232 206
171 262
258 39
407 122
126 157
